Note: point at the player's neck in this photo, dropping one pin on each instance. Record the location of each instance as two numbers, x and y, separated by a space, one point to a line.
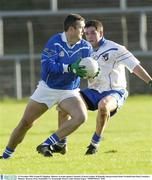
70 40
71 43
96 47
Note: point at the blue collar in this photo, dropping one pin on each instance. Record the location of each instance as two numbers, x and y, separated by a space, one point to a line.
102 41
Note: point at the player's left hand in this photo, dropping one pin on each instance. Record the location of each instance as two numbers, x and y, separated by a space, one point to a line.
75 68
150 83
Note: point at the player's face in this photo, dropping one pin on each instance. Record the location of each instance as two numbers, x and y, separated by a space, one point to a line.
79 30
93 36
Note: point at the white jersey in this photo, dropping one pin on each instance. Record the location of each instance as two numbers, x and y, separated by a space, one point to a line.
112 59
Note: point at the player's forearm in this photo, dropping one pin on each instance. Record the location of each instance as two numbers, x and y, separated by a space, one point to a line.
51 67
142 73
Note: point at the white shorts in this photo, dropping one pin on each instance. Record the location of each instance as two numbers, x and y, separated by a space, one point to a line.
50 97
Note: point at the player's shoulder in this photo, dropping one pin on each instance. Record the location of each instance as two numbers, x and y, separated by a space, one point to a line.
113 44
55 38
86 43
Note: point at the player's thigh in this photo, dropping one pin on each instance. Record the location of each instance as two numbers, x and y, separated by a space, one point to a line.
74 106
33 111
108 102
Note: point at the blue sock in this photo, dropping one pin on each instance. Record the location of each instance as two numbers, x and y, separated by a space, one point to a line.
7 153
62 142
53 139
95 139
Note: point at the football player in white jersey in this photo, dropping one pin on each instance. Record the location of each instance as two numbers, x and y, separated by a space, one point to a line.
107 92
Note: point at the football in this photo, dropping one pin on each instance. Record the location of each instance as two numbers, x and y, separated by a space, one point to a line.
90 65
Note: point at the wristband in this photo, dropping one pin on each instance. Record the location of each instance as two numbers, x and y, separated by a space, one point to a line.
150 83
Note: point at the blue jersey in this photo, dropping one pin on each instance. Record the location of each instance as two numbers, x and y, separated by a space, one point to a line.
56 53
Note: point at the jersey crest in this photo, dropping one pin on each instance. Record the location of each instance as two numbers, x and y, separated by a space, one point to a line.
61 54
106 56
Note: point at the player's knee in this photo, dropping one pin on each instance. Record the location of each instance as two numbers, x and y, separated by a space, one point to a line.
84 117
81 117
103 107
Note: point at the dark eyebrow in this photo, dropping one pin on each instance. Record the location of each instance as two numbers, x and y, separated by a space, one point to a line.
90 31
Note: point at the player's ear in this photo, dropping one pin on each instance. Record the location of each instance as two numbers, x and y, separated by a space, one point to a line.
71 28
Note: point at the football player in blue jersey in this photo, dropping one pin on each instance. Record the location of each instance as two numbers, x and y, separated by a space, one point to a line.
107 92
59 84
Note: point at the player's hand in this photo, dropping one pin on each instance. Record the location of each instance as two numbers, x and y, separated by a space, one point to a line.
75 68
150 83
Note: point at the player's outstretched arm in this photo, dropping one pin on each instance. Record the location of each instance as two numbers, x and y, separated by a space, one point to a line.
143 74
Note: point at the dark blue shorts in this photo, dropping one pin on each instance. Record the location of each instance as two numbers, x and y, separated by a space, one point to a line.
92 98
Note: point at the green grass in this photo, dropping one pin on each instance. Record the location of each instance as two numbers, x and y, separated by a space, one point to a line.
126 148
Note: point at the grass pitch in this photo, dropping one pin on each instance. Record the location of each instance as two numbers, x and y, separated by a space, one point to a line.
125 149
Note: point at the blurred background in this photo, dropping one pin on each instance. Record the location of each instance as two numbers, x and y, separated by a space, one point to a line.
25 26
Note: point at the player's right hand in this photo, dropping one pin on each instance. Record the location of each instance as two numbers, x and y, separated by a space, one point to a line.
150 83
75 68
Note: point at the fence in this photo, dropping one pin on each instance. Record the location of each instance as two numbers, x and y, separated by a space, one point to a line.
21 32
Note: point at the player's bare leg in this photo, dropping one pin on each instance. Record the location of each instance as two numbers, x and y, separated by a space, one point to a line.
62 117
76 108
105 106
32 112
61 146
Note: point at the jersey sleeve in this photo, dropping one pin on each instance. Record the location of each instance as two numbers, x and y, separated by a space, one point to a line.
127 59
49 58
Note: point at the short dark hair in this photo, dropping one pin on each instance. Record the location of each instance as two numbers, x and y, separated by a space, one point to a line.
71 19
95 23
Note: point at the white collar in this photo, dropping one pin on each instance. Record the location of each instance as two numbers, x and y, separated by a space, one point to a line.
64 38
